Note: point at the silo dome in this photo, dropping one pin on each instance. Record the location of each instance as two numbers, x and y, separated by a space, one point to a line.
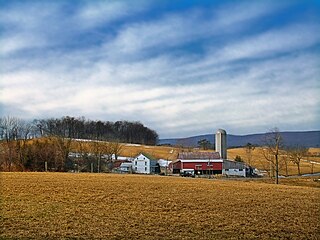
221 143
222 131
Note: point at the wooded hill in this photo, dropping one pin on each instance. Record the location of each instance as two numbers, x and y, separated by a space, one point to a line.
304 138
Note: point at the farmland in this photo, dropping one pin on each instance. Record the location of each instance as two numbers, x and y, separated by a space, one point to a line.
259 161
109 206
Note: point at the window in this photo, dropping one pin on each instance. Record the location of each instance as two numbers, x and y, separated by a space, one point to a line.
227 170
240 169
145 168
135 168
145 163
135 162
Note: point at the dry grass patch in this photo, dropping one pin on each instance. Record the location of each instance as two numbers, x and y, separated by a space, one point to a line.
107 206
260 162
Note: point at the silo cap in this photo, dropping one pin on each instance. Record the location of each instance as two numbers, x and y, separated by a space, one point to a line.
222 131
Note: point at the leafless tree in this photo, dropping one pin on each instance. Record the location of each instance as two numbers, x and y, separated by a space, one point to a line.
249 149
271 150
9 130
284 161
296 154
63 148
116 149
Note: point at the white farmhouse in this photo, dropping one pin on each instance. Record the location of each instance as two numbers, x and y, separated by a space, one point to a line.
145 163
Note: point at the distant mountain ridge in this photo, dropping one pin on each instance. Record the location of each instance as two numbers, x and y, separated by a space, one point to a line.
303 138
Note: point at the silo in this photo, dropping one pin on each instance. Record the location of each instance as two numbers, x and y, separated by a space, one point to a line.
221 143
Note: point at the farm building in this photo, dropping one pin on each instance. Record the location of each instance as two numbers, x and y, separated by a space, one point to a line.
145 163
233 168
125 167
202 163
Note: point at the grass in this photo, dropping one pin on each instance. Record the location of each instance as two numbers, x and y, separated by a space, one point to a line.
109 206
259 161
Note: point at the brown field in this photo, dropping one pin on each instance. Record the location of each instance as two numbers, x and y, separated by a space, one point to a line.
109 206
169 153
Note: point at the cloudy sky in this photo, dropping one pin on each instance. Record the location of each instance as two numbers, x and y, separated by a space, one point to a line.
181 67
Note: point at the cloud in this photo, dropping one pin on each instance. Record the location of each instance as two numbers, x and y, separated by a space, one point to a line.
181 73
273 42
28 26
99 13
235 14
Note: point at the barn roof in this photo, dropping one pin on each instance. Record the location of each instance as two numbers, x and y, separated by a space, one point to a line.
198 155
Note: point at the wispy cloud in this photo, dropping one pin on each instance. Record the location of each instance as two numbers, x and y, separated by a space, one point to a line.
182 73
273 42
99 13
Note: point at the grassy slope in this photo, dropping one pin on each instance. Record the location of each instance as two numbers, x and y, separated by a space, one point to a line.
171 153
258 160
107 206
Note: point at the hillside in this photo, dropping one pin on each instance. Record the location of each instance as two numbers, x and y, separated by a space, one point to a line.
258 160
306 139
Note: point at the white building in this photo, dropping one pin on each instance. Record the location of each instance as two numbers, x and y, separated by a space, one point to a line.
145 163
126 167
233 168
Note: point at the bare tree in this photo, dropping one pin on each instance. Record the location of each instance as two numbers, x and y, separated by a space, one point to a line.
296 154
84 153
9 130
116 149
284 162
24 130
63 148
99 149
249 149
271 151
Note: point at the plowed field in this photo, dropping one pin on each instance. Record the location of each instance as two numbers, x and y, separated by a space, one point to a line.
107 206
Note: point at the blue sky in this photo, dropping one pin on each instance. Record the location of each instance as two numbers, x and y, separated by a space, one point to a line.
180 67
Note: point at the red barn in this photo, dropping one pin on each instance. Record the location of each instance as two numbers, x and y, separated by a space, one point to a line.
199 162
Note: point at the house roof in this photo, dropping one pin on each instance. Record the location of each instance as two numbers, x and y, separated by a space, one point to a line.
198 155
126 164
117 163
149 156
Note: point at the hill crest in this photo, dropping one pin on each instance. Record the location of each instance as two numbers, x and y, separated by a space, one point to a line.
300 138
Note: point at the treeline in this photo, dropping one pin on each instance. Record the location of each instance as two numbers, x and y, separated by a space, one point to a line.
51 144
80 128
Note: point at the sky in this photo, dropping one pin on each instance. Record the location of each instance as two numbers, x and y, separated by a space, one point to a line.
180 67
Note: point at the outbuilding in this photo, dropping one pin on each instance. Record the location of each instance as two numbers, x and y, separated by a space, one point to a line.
126 167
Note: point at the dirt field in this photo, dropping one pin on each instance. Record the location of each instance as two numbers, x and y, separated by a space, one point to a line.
107 206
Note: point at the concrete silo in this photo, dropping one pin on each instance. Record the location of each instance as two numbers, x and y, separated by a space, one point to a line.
221 143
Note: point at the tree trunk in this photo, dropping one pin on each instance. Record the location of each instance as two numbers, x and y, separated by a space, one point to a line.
277 170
